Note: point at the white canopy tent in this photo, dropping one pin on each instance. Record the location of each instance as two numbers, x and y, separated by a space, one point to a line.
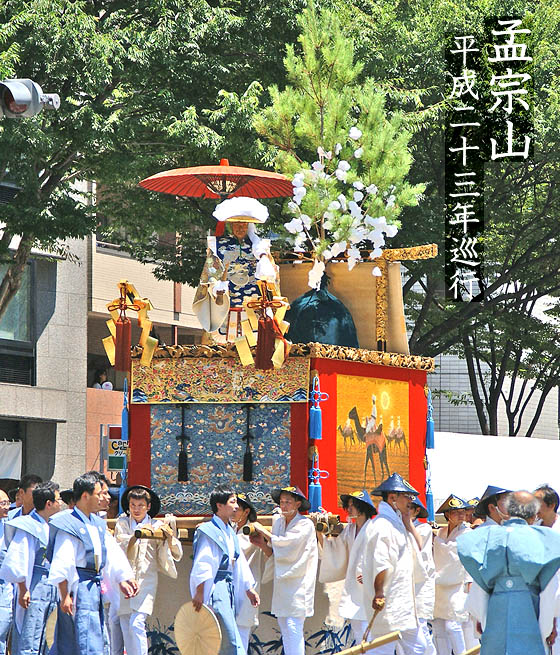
465 464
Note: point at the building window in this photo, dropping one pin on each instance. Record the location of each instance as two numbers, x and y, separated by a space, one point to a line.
15 325
17 350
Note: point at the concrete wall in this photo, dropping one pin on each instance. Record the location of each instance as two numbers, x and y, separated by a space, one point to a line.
103 408
57 448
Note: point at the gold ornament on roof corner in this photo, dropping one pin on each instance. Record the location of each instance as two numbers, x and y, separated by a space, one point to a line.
117 345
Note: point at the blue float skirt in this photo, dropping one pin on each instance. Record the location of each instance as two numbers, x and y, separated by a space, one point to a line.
222 601
513 624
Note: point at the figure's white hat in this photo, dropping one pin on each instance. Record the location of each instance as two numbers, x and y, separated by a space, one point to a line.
241 210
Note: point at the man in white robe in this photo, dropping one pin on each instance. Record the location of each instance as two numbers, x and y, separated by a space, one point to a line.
392 546
81 551
26 538
341 559
147 557
548 514
425 588
220 574
6 589
292 549
452 580
247 615
25 491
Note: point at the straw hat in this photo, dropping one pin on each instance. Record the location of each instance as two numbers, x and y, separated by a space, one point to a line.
197 633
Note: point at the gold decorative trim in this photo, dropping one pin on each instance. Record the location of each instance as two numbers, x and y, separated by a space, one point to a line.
316 350
381 304
427 251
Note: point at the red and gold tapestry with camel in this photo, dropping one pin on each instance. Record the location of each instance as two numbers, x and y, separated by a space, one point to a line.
372 439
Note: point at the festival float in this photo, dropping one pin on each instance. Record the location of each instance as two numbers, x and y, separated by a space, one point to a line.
304 377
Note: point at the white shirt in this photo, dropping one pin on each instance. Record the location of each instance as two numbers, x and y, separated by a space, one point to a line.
207 561
70 553
19 561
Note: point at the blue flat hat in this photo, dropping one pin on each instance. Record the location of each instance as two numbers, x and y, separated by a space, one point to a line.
423 514
394 482
494 491
453 502
491 490
361 496
296 492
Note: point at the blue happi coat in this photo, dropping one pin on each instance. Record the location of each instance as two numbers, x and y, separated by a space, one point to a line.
86 633
6 600
222 598
513 563
30 640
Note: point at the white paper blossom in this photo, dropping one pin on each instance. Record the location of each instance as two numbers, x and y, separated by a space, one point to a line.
354 209
354 133
327 253
315 275
341 175
358 153
337 149
294 226
317 166
320 151
327 225
375 253
358 196
358 185
306 220
371 189
292 206
391 201
342 201
343 165
328 154
334 205
354 252
376 272
351 263
391 230
300 240
338 247
298 180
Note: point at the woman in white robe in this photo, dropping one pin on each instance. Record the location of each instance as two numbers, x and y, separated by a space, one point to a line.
452 580
293 547
342 560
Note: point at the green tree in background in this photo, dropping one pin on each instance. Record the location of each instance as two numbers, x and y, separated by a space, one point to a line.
139 82
330 129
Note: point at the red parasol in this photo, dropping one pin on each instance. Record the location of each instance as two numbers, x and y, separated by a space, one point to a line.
223 181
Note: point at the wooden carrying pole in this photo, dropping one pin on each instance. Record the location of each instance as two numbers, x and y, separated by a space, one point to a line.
369 645
143 533
472 651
